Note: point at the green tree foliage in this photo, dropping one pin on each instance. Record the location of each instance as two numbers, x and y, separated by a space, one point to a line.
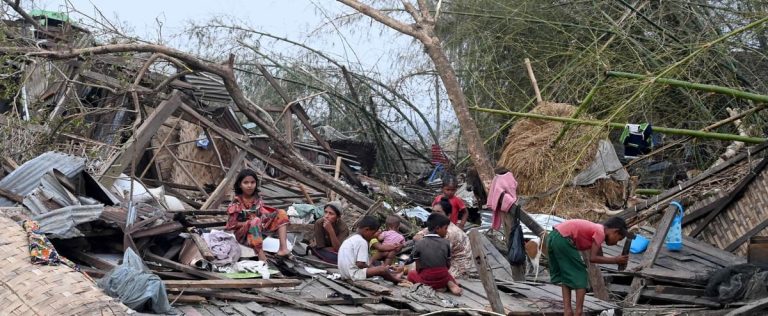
572 44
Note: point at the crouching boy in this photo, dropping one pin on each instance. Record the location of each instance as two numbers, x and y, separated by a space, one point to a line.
353 255
433 255
566 266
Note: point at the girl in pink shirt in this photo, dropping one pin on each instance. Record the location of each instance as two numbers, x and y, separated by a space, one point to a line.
566 266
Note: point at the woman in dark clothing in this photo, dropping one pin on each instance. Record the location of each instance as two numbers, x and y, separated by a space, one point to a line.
330 232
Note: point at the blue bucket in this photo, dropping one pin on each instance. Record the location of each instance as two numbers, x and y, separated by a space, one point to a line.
639 244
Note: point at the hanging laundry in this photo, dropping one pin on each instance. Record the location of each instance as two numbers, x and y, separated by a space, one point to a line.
637 139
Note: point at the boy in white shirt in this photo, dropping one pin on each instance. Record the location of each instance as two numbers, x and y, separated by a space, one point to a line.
353 255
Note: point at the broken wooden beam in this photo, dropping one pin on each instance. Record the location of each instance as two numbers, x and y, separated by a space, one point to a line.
225 185
136 145
651 253
751 308
486 274
164 228
202 246
182 267
187 299
754 231
595 278
231 283
299 302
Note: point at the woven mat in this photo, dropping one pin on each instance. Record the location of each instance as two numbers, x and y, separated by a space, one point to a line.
27 289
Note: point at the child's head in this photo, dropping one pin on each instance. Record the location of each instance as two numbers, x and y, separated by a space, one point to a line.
246 183
438 224
450 184
443 207
368 226
332 211
393 222
615 230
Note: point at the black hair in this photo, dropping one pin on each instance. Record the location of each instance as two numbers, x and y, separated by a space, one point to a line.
393 220
435 221
450 180
242 175
445 204
370 222
334 209
616 223
500 170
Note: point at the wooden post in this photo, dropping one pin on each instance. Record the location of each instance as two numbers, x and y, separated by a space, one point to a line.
205 251
215 199
595 278
518 271
533 80
625 252
336 172
140 139
486 274
651 254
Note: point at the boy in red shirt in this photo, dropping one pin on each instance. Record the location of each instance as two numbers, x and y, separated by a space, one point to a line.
566 266
457 204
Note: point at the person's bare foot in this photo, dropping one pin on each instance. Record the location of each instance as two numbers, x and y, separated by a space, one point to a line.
283 253
455 289
398 277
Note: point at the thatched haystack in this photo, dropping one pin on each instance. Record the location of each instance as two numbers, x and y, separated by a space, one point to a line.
541 170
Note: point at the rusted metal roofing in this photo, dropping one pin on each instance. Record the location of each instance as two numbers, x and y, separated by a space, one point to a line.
209 89
26 178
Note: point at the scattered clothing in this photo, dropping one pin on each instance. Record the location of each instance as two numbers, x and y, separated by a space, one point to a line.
391 237
224 247
582 233
135 286
637 139
433 257
461 251
353 250
41 251
743 282
566 266
502 196
251 266
251 221
457 206
304 213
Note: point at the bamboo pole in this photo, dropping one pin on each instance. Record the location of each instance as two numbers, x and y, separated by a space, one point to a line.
534 83
584 104
664 130
691 85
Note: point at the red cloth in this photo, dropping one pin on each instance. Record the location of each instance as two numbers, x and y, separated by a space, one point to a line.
457 205
501 197
583 233
437 155
437 277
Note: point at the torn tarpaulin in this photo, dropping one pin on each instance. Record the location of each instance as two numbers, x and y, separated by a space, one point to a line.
135 286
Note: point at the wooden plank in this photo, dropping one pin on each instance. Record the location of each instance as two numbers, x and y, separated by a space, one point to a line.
298 302
736 243
595 278
205 251
372 287
134 147
187 299
346 293
625 252
650 293
350 310
182 267
92 260
486 274
225 185
751 308
381 309
231 284
651 253
164 228
11 196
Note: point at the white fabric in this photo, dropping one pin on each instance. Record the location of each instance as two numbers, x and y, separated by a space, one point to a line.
606 164
353 250
259 267
634 129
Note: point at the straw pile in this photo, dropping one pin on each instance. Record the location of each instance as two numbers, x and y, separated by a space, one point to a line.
541 170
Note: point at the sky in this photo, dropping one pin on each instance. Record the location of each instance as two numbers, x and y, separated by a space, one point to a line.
368 46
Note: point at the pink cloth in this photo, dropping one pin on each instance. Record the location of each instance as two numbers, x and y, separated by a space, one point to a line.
391 237
583 233
501 197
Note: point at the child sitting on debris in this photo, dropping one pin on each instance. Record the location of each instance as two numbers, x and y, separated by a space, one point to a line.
353 255
461 250
251 220
566 266
388 243
450 185
432 255
330 231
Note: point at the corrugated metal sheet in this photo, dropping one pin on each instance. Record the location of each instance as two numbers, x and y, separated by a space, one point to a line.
209 89
26 178
61 223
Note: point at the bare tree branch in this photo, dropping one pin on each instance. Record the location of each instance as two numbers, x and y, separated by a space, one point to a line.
381 17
